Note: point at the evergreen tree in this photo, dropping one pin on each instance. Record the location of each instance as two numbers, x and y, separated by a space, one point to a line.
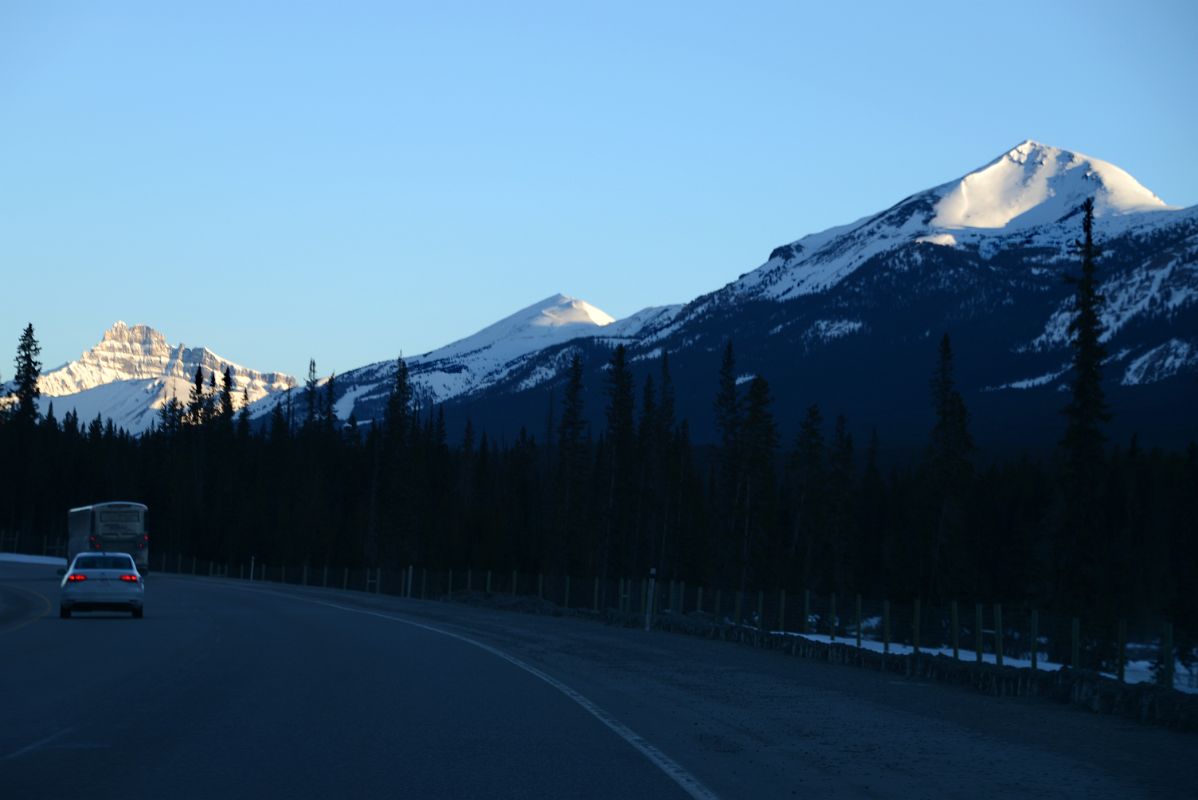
280 430
572 461
29 370
310 394
226 397
728 421
842 502
170 416
396 416
808 492
621 437
759 441
1082 523
328 410
243 416
948 477
210 397
1087 409
195 399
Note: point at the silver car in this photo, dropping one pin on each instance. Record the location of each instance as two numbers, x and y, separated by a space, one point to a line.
102 582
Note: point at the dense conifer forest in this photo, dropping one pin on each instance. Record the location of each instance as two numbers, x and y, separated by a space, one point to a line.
1098 528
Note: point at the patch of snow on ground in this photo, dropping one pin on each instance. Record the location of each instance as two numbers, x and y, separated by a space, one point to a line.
748 376
21 558
1133 671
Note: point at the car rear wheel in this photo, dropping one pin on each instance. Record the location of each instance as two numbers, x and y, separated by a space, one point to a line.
64 612
138 613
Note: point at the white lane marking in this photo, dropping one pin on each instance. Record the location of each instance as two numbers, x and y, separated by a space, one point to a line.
689 783
30 747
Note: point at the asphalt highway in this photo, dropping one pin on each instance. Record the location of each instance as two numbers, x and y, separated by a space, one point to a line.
229 689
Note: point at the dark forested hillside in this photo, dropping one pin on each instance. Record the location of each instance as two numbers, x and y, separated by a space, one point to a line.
758 510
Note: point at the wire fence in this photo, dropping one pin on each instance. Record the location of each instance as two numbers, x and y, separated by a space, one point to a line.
1133 649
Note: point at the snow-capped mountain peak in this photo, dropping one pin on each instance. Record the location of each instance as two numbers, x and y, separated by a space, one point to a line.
1036 184
1033 190
555 319
132 371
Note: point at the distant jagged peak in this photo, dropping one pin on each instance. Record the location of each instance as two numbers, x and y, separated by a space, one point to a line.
139 352
139 334
1036 184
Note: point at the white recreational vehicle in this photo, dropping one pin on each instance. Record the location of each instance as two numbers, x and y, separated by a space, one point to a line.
112 528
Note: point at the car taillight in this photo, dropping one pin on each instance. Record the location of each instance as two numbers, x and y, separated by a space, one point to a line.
129 578
76 577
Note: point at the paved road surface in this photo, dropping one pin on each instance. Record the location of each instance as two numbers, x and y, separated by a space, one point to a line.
228 689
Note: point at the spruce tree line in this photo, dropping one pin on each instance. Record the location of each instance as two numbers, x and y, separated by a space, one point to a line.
1095 530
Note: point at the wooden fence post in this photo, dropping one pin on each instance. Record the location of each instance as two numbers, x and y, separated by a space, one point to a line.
488 581
998 630
1122 635
832 618
956 632
915 629
1035 638
1167 656
885 626
858 622
977 632
1076 643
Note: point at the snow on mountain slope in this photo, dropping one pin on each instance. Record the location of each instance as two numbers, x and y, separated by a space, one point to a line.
483 358
553 320
1034 184
1025 196
133 371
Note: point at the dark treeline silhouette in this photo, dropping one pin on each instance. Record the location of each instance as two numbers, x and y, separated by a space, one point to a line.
751 512
1096 529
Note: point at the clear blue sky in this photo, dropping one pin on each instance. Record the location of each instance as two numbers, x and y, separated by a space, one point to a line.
348 180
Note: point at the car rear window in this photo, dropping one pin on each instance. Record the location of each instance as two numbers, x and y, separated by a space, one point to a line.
104 562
